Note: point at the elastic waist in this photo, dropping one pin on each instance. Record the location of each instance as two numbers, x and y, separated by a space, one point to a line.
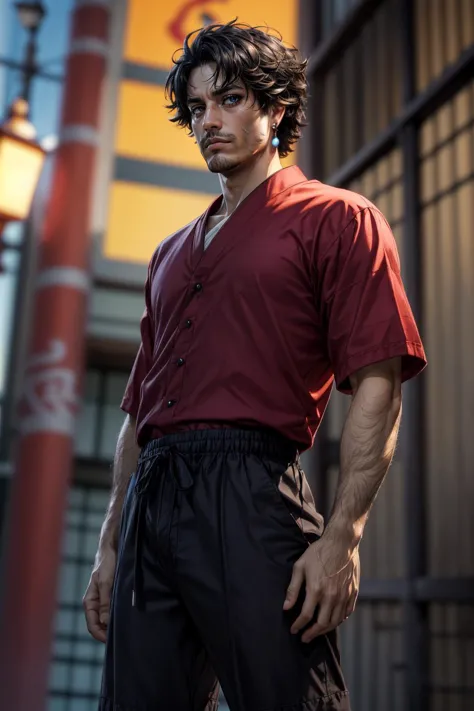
252 441
171 452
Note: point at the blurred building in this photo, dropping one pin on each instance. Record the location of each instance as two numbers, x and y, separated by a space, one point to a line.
391 116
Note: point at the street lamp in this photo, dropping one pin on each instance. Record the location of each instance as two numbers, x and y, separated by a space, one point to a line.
21 160
21 157
31 16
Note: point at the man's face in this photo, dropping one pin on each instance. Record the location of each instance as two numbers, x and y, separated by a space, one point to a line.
230 129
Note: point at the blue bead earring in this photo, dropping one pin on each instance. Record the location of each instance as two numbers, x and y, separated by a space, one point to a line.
275 139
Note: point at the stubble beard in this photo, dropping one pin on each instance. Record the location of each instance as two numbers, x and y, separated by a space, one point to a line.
221 164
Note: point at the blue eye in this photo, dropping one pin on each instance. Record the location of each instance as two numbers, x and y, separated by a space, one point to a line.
233 98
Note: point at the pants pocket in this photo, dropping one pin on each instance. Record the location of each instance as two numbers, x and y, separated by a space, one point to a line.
277 526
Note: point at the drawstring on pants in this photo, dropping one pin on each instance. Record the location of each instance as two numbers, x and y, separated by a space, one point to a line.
169 460
153 468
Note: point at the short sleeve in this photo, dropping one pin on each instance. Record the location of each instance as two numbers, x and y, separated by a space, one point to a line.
365 309
143 361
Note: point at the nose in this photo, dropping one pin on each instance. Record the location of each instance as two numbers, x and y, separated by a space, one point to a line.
212 118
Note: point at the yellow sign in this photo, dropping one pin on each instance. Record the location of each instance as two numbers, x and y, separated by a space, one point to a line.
145 131
156 29
141 216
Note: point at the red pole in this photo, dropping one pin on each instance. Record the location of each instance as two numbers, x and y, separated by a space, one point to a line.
52 382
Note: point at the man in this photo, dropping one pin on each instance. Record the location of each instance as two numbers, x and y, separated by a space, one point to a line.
284 285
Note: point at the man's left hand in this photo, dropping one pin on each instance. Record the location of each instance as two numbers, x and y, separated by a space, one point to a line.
331 577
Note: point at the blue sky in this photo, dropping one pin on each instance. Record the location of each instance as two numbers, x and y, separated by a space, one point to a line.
53 41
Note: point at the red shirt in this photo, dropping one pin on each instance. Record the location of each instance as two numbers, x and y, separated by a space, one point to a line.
300 287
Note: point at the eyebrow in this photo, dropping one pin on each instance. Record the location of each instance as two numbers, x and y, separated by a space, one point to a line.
216 92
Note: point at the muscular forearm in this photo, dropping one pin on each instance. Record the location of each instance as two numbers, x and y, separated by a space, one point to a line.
125 463
330 567
367 448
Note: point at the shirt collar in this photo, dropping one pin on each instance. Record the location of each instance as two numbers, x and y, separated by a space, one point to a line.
269 188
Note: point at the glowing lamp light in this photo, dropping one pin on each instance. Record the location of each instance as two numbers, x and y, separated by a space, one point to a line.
21 161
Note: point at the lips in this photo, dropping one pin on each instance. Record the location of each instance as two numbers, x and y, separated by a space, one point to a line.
213 141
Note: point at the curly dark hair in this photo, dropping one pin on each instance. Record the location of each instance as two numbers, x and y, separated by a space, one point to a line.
275 73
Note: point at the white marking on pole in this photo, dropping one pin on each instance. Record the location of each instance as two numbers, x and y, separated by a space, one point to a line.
79 133
50 396
63 276
53 423
55 354
89 45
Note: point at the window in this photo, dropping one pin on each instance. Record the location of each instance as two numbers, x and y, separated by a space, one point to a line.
100 418
77 658
444 29
362 92
334 12
447 216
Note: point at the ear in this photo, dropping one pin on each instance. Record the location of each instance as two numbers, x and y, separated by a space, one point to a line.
276 114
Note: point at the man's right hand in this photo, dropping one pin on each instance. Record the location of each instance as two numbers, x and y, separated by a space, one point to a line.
96 600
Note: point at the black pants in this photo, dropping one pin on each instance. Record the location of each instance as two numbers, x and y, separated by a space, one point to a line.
212 525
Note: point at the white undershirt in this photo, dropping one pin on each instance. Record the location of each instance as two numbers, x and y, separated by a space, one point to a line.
209 236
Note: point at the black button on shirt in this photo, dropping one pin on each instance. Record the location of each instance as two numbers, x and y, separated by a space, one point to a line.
188 323
170 403
311 341
180 362
198 287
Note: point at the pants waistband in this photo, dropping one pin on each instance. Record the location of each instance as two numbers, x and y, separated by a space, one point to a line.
212 441
171 450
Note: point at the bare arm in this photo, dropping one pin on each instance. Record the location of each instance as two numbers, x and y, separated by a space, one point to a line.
367 447
96 600
125 463
330 567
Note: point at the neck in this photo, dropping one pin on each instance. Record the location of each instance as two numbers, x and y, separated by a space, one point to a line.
236 186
